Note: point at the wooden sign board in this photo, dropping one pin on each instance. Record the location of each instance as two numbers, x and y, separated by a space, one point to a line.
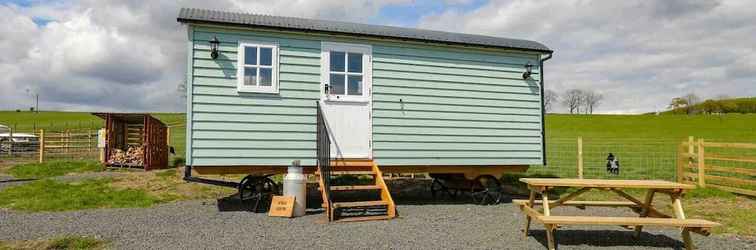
282 206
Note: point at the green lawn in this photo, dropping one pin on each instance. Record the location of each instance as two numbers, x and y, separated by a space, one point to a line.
50 195
730 127
53 168
60 243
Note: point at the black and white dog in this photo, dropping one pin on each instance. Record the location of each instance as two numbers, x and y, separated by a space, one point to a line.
612 164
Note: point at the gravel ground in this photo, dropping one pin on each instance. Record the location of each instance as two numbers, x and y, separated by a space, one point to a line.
200 224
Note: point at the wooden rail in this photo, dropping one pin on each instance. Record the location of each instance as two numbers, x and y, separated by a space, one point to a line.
695 165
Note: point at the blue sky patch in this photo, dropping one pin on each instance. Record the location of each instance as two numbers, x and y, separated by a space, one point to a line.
408 15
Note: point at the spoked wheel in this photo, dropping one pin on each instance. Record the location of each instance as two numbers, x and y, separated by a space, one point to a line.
438 188
259 188
487 190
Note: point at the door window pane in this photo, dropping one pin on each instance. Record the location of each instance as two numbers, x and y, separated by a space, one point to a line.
355 85
266 76
250 76
250 55
337 84
266 56
355 62
337 61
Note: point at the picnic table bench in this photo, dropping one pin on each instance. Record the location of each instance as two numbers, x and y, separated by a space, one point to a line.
649 215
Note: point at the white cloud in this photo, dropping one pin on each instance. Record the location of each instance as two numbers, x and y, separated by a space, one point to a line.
118 55
127 55
639 54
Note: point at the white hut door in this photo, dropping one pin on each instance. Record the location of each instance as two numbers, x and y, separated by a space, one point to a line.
346 74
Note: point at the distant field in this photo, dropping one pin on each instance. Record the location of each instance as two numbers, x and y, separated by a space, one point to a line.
645 144
732 127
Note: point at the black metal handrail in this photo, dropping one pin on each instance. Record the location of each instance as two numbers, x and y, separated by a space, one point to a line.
324 155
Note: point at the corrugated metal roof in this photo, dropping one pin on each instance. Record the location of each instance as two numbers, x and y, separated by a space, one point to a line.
191 15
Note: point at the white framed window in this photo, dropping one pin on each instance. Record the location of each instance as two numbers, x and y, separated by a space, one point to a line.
346 71
257 67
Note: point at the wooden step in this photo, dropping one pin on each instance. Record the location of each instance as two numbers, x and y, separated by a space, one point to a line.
364 218
352 173
359 204
354 188
352 163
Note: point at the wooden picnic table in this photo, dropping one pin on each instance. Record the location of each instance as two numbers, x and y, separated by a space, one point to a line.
649 215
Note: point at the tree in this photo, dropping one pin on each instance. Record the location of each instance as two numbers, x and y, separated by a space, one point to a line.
573 99
677 104
711 106
692 99
549 98
591 100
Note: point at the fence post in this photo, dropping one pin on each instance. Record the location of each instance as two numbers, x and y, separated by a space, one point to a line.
10 142
41 145
168 136
580 157
681 162
701 164
89 140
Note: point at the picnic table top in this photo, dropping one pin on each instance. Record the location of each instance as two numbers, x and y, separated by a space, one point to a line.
601 183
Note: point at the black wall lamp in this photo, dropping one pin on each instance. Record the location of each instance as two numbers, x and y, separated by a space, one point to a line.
528 71
214 48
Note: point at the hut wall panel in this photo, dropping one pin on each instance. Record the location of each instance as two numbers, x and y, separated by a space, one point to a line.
432 104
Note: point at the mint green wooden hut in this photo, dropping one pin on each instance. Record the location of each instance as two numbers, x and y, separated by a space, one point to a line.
408 100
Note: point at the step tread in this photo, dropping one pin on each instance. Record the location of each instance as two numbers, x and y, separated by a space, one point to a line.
359 187
350 173
364 218
359 204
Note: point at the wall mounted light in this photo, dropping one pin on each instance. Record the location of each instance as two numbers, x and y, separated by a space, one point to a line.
528 71
214 47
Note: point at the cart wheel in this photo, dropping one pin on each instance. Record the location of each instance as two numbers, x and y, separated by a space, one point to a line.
259 188
246 187
437 187
488 192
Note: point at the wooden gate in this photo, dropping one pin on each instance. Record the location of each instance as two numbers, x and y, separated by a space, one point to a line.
726 166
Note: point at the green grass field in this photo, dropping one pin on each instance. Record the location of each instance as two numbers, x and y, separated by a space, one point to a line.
645 144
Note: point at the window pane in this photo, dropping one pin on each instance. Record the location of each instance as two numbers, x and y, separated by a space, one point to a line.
337 84
250 76
337 61
266 76
355 85
266 56
355 62
250 55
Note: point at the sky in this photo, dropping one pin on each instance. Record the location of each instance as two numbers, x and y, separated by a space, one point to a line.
129 56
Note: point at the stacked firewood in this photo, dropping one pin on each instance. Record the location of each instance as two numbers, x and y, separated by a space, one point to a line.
134 155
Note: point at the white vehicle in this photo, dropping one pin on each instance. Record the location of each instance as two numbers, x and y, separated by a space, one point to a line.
21 141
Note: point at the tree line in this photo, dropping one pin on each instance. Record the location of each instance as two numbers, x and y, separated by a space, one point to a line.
577 101
691 104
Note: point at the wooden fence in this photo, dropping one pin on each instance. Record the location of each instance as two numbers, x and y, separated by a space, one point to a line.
726 166
51 145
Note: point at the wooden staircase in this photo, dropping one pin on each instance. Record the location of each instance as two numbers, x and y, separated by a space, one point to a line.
346 203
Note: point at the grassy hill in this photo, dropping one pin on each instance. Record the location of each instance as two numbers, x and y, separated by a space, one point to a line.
727 106
732 127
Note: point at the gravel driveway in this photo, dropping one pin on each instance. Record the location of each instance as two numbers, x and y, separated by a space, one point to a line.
200 224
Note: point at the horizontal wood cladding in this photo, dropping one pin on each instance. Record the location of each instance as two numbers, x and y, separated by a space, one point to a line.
432 104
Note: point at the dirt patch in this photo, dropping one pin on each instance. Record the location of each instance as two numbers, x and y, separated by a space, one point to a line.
168 185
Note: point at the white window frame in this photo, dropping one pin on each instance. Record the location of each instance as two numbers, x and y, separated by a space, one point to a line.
273 89
367 70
